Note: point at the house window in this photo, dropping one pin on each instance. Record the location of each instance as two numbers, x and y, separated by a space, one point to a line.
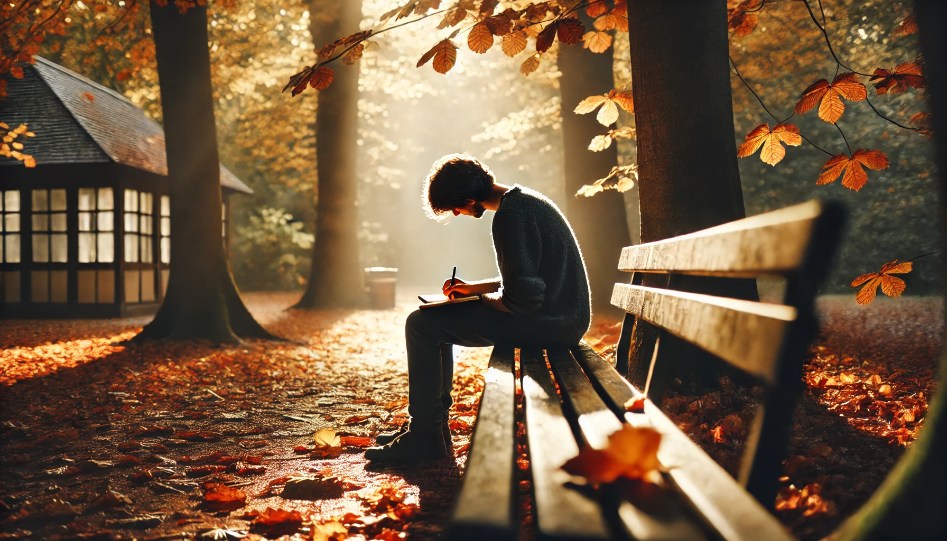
139 228
10 226
223 219
96 225
49 226
165 229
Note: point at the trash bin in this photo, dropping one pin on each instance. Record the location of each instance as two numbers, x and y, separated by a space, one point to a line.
380 285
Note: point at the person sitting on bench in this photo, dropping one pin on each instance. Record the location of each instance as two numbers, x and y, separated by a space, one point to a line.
540 299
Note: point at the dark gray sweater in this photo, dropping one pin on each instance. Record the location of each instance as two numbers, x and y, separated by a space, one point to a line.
543 278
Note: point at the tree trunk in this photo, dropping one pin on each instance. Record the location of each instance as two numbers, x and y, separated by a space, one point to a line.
911 502
687 156
336 278
599 222
202 300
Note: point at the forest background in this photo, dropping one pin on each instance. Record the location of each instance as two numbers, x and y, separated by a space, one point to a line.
409 117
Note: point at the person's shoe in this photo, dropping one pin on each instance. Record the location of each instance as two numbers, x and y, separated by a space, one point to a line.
412 446
385 439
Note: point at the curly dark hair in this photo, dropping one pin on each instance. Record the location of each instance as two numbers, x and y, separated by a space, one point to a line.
453 180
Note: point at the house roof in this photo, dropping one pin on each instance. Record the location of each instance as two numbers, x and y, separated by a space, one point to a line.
79 121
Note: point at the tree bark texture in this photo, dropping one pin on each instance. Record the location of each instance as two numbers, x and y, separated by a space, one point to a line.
202 300
911 502
599 222
688 177
336 278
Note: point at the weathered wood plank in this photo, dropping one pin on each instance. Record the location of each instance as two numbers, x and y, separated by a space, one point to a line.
746 334
771 243
485 508
595 421
729 509
562 511
645 515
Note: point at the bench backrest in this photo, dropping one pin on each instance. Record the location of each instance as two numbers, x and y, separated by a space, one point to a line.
767 341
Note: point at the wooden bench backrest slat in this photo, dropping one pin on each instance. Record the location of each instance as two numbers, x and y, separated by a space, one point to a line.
746 334
724 505
561 512
771 243
646 515
485 508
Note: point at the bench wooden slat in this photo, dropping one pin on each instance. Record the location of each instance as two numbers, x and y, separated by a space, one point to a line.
485 507
596 422
729 509
645 516
771 243
746 334
562 511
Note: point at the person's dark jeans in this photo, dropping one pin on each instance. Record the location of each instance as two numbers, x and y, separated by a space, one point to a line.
430 335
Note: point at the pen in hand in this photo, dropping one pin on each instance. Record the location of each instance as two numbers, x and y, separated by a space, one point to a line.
453 279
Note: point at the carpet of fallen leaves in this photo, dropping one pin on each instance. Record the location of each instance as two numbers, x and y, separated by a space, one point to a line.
171 440
868 378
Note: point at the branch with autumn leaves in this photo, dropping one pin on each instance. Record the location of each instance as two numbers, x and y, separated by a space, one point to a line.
742 19
540 22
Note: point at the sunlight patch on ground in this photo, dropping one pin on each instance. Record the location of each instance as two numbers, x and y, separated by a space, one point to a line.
18 363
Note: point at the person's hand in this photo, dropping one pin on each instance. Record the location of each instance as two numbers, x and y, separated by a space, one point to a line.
459 289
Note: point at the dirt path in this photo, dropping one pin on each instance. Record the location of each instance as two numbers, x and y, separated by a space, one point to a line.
158 424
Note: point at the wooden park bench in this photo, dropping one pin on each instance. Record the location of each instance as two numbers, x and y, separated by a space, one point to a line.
700 499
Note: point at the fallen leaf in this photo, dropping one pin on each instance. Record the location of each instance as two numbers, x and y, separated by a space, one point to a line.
220 497
312 488
631 453
635 405
276 522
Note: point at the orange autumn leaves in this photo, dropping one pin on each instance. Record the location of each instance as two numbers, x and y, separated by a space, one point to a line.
891 286
828 96
545 22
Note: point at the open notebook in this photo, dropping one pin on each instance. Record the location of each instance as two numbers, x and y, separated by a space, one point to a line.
428 301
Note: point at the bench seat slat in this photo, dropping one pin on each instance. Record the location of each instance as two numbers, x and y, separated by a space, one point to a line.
723 503
771 243
746 334
596 422
562 512
485 506
645 515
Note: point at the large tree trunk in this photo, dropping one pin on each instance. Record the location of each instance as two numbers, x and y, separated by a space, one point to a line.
687 156
599 222
202 300
336 278
912 501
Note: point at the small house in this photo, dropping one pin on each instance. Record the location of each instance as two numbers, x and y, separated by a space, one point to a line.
86 232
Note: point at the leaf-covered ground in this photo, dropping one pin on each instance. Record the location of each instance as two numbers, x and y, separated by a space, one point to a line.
102 441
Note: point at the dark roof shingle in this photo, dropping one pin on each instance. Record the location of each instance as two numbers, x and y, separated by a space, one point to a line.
77 120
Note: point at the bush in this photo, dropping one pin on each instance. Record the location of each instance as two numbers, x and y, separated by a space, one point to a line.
272 252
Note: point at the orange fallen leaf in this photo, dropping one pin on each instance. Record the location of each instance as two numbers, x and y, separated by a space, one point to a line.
891 286
219 496
635 405
631 452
